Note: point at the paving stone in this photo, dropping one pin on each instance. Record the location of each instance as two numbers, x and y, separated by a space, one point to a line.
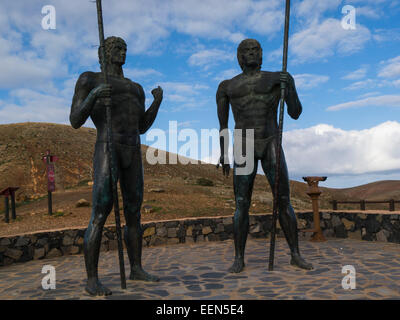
213 275
211 286
199 271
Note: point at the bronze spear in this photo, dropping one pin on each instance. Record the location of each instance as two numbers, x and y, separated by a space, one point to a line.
279 142
110 148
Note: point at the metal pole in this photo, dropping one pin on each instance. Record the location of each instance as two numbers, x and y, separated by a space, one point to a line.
110 146
49 195
334 204
7 210
391 205
279 142
50 202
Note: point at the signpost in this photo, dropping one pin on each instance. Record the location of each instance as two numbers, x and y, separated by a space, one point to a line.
49 160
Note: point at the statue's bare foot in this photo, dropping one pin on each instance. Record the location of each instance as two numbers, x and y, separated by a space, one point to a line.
95 288
137 273
298 261
238 266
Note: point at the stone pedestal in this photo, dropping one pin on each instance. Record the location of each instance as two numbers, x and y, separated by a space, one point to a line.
314 194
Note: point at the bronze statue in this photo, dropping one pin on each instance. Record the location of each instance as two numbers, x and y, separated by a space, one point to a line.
129 119
254 97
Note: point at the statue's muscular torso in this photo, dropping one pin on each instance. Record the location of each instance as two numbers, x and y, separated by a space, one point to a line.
254 101
127 108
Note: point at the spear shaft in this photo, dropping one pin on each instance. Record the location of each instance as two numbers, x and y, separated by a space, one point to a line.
279 142
110 148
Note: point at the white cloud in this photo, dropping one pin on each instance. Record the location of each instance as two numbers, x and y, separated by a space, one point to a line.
357 74
391 68
367 83
369 12
380 101
384 35
308 81
369 94
338 152
372 84
210 57
323 39
312 10
266 17
372 2
34 106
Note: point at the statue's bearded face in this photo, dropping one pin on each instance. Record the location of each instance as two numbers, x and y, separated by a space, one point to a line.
250 53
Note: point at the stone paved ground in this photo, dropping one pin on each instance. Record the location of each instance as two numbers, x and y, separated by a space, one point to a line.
198 271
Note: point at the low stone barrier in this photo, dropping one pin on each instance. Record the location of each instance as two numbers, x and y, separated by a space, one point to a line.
54 243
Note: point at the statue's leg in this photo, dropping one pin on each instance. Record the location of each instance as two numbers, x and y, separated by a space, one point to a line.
101 207
131 180
287 217
243 188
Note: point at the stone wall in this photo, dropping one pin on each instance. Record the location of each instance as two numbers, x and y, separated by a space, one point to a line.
50 244
355 225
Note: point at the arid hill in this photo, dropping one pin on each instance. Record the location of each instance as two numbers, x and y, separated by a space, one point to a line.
23 145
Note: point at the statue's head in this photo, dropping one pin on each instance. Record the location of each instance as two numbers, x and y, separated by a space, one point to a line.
249 53
115 51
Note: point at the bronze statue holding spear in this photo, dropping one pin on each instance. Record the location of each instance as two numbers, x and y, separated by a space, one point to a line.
254 96
116 106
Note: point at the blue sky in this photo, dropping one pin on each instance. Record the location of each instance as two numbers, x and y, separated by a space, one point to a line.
348 80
